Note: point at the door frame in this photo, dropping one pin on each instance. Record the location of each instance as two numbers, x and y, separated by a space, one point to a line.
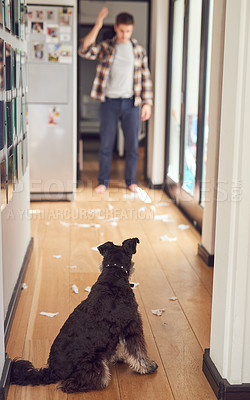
189 204
144 140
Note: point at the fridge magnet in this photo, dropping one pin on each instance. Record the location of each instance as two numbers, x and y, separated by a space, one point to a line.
39 14
64 37
30 14
38 51
54 116
52 34
65 29
37 27
50 15
53 52
65 55
3 185
65 10
64 19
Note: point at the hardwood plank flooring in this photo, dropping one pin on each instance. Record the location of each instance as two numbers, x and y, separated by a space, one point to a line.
163 269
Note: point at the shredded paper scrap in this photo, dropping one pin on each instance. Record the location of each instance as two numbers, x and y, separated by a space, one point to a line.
48 314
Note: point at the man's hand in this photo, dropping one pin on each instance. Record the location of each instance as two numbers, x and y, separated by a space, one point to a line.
145 112
100 17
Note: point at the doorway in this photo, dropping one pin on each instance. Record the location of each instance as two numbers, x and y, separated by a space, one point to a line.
188 104
88 108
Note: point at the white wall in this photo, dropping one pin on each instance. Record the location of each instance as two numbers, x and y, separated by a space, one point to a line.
158 65
14 232
230 326
15 236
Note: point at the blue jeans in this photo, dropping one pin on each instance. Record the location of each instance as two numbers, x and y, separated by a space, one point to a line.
111 111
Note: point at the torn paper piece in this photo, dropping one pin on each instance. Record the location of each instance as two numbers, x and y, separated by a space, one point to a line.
82 225
88 289
49 314
72 266
57 256
75 289
158 312
34 211
173 298
65 223
112 219
183 227
94 210
110 207
134 285
163 217
168 239
24 286
143 196
87 225
163 204
113 223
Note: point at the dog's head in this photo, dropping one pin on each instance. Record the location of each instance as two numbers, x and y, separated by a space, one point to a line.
119 255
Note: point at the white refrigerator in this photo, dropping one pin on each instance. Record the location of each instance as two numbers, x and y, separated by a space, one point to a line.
52 97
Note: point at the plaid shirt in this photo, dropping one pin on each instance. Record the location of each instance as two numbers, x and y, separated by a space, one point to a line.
104 53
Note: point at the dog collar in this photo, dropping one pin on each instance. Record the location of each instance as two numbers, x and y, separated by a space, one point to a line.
115 265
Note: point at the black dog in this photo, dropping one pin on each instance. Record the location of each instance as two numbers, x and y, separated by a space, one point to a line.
106 327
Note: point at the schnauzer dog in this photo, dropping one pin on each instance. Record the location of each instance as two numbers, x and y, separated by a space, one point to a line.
104 328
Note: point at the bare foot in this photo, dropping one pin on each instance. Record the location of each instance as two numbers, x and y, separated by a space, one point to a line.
100 189
133 188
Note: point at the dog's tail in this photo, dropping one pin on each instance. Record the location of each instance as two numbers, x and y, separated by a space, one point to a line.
24 373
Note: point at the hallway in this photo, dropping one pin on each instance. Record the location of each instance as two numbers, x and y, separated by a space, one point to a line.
163 269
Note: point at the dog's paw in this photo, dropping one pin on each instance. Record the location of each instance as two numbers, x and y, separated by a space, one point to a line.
68 386
151 367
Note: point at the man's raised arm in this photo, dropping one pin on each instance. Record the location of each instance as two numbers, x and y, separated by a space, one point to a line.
90 38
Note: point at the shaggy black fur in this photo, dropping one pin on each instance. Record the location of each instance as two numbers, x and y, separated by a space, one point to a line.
106 327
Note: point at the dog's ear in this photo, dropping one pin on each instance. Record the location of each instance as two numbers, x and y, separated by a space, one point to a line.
103 248
130 245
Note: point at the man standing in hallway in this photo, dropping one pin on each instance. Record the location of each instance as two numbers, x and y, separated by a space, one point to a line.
122 84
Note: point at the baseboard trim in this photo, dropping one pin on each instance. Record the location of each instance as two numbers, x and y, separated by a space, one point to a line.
221 387
16 292
159 186
205 255
43 196
5 378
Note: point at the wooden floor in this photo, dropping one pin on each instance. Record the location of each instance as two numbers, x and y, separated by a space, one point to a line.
164 269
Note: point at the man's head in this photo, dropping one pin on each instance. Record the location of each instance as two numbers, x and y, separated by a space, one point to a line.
124 26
